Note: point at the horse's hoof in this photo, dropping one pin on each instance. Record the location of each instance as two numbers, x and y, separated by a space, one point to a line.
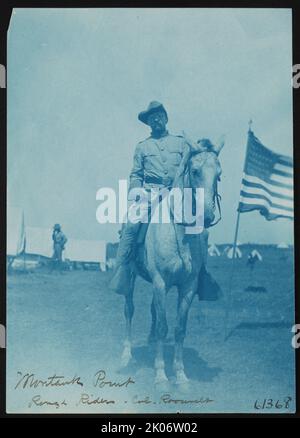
125 359
161 378
184 388
160 381
181 379
162 385
182 383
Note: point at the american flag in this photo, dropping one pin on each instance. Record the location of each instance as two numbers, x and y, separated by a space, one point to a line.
267 183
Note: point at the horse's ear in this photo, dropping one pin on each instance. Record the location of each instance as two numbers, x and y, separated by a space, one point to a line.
219 146
194 147
204 144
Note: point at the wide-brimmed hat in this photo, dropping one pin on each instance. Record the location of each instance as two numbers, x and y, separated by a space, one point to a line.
56 227
152 108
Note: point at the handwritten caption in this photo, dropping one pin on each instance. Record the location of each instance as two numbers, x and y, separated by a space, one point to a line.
100 380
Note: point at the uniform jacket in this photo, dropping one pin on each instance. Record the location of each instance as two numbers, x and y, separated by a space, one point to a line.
59 238
156 159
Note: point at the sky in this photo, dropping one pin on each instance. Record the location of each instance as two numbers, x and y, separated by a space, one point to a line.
77 78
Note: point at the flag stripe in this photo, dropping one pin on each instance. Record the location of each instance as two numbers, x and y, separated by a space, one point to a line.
258 203
272 187
283 168
282 173
263 187
259 196
267 183
281 179
244 208
286 161
268 180
261 192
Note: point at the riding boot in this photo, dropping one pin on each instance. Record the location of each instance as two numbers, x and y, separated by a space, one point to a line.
123 272
121 279
208 289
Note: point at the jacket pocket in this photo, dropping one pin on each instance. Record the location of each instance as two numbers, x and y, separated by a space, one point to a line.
151 161
175 158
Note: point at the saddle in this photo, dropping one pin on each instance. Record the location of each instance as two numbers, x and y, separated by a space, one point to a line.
208 289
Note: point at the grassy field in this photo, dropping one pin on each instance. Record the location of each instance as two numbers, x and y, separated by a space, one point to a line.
70 324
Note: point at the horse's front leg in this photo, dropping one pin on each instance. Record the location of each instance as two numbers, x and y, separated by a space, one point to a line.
128 312
161 328
185 297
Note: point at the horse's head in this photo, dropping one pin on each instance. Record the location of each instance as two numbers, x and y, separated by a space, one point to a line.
205 171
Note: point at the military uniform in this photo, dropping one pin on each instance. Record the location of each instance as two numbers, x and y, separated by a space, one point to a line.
154 166
156 161
59 241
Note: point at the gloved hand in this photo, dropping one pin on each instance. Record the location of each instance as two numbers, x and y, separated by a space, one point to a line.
135 195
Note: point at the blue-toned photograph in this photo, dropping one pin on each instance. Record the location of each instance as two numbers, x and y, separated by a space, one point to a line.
150 211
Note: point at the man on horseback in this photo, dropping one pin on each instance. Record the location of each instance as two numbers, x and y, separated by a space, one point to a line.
156 160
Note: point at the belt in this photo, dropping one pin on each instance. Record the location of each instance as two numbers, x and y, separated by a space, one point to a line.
165 181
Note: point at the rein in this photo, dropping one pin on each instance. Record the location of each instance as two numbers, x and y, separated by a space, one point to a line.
183 171
218 198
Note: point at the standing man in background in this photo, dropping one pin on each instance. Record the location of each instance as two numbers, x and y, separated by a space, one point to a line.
59 241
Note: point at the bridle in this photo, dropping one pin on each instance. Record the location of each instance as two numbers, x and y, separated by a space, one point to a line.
217 197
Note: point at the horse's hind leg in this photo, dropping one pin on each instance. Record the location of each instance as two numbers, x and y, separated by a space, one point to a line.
152 334
161 328
128 312
185 298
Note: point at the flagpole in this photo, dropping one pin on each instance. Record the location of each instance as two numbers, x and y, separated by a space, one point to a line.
228 300
236 235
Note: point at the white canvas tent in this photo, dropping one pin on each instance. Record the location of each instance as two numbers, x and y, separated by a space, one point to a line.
111 263
282 245
15 241
238 253
39 241
254 253
86 251
213 251
225 250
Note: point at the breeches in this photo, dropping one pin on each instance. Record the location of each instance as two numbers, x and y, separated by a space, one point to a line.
126 245
57 255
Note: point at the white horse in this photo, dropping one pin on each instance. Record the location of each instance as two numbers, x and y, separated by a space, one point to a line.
160 261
